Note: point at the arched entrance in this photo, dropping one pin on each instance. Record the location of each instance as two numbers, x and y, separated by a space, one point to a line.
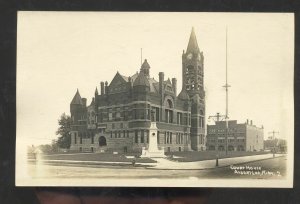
102 141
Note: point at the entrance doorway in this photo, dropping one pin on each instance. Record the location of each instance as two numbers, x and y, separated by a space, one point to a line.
102 141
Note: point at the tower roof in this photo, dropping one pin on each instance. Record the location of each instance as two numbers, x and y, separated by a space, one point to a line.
145 65
77 99
193 45
96 91
141 80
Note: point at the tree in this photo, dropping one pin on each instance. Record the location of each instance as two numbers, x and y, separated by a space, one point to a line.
64 139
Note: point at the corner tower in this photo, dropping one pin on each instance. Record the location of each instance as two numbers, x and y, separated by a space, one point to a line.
193 85
192 67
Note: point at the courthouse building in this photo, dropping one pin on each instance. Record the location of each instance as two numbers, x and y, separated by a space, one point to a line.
119 116
240 137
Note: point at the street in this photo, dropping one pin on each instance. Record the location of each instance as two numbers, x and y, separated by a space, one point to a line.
274 168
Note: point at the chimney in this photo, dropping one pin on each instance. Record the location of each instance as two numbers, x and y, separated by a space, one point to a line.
250 122
102 87
247 121
84 101
174 85
161 80
106 88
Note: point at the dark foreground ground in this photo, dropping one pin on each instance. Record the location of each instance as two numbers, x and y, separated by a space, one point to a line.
274 168
176 156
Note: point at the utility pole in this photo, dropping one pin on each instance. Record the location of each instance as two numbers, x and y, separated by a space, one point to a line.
226 111
217 118
272 137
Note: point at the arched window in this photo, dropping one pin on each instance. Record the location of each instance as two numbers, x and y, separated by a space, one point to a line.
102 141
169 111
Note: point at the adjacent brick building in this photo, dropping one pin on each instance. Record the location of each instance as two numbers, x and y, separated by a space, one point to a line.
118 118
241 137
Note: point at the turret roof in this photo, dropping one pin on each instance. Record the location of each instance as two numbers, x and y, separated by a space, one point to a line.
141 80
193 45
145 65
77 99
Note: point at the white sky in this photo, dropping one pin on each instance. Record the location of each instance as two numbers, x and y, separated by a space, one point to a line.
58 52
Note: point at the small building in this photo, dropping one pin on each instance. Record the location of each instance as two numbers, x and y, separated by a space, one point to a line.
240 137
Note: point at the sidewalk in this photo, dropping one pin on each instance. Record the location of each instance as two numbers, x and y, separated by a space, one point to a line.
166 164
163 163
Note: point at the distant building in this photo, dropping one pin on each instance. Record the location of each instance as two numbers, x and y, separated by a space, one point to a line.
280 145
119 117
241 137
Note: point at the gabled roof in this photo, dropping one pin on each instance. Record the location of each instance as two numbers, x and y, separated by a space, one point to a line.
183 95
77 99
153 85
118 78
193 45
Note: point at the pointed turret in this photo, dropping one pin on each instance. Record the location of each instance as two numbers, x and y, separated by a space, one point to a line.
96 92
193 45
77 99
141 80
145 68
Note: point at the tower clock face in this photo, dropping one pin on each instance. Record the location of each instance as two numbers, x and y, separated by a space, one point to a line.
190 56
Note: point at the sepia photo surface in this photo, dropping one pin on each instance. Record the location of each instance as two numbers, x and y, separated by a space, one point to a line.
155 99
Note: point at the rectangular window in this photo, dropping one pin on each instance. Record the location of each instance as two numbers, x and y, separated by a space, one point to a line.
179 118
170 138
158 137
147 136
116 134
119 134
92 139
111 134
156 114
118 113
75 138
127 133
165 137
136 136
80 140
142 136
124 133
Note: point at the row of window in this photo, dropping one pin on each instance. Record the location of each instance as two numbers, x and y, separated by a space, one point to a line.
222 130
80 139
223 140
142 113
119 134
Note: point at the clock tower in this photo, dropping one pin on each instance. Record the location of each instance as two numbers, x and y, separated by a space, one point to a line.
192 68
193 85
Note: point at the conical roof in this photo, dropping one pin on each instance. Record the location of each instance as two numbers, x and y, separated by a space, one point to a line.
145 65
77 99
193 45
183 95
96 91
141 80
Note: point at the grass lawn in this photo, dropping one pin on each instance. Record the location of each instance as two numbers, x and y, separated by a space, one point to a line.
207 155
95 157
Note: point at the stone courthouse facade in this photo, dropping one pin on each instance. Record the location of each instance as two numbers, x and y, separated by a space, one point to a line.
119 117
